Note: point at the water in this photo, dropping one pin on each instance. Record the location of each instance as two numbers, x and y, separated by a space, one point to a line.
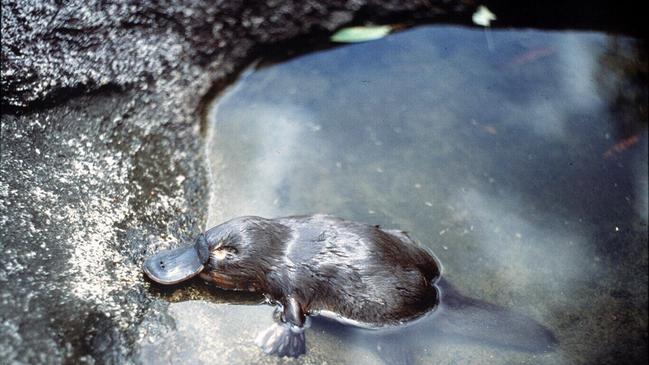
523 166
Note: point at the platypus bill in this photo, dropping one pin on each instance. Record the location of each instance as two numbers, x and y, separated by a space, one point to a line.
314 265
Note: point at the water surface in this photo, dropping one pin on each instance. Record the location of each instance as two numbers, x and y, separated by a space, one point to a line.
523 166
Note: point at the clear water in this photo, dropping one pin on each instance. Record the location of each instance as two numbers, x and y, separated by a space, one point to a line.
523 166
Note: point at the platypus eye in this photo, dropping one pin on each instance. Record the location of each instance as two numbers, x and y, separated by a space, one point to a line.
223 252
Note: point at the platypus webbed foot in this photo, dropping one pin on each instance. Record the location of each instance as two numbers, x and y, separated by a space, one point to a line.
282 339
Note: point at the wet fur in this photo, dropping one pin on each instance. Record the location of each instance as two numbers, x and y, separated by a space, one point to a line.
361 272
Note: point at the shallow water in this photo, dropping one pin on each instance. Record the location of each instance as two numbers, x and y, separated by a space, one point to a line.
523 166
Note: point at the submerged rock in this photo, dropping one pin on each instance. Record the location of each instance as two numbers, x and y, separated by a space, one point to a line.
208 333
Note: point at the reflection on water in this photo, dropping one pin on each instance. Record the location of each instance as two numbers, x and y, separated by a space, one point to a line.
523 168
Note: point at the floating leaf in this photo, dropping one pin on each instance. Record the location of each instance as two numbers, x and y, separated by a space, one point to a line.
361 34
483 16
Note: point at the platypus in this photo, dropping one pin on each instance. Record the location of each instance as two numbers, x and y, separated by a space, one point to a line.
355 273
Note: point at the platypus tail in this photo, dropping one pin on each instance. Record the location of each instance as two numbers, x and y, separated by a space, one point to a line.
485 322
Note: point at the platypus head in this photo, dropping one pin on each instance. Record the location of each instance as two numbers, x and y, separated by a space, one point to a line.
234 255
173 266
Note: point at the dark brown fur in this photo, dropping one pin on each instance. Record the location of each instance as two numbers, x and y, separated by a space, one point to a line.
361 272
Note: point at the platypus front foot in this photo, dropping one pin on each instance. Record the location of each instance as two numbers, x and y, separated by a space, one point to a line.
282 339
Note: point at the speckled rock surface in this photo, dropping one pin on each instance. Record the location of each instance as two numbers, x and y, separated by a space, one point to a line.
53 52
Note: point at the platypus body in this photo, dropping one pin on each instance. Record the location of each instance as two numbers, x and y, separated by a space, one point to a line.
355 273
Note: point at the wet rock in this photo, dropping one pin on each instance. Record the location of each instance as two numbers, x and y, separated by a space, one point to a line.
52 52
80 206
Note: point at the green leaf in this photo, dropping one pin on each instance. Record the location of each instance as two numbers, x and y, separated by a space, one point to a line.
361 34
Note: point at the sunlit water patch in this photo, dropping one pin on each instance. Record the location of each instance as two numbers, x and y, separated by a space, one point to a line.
522 164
